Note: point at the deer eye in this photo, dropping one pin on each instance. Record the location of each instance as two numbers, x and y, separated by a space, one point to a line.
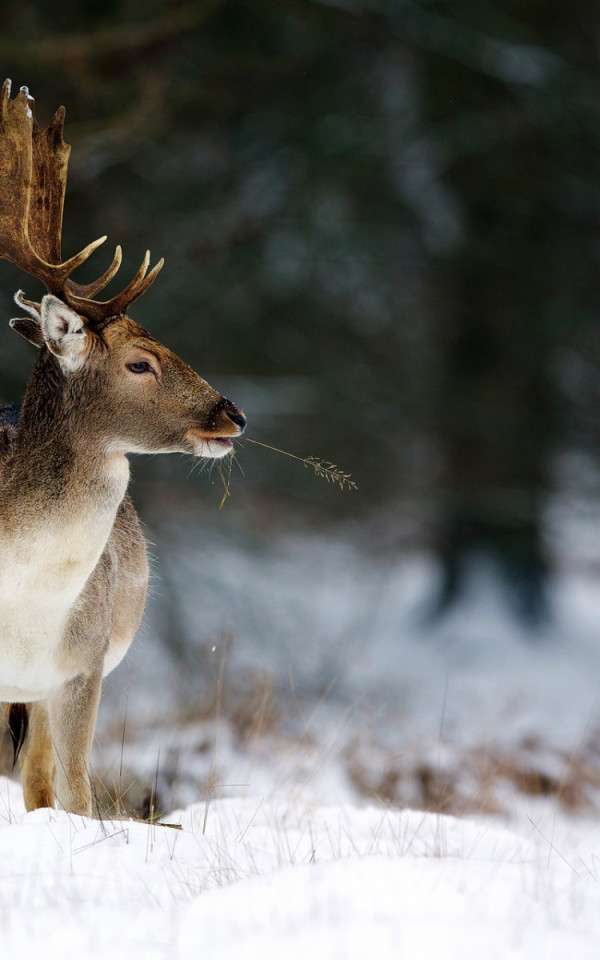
141 366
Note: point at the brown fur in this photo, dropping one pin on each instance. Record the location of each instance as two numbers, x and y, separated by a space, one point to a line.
60 462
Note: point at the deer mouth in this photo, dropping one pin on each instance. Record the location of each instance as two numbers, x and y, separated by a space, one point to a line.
208 445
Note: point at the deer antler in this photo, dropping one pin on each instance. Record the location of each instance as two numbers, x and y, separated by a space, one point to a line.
33 177
97 310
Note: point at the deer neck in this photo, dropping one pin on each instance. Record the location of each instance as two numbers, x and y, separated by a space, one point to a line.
60 467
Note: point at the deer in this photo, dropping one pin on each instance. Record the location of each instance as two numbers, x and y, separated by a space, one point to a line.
73 565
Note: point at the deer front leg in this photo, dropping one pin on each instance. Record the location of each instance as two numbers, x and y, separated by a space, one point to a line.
37 760
72 712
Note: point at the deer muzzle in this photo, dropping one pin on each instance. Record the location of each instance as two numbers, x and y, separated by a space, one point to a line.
224 424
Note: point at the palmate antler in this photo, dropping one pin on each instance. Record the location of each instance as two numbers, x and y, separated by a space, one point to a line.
33 177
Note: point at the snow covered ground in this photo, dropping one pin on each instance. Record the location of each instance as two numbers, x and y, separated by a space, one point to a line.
310 745
327 648
253 879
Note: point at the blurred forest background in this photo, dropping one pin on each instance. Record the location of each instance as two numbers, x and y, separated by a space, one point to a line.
381 222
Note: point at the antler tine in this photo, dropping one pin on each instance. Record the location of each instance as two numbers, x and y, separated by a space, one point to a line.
145 283
54 275
143 268
5 97
22 300
29 305
87 290
64 270
99 310
135 288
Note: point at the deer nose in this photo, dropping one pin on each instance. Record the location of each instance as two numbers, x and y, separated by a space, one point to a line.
239 420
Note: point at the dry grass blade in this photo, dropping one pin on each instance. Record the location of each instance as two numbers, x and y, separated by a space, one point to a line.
226 479
323 468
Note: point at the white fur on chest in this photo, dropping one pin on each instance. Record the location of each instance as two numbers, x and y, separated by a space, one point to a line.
42 575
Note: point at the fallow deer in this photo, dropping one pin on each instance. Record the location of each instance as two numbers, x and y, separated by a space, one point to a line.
73 568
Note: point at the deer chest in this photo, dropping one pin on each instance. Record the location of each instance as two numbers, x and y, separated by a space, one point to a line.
41 585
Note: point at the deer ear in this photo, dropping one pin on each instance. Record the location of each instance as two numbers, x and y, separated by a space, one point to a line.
63 332
28 328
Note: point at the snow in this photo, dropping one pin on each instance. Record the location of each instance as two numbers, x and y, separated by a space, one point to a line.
29 98
296 837
319 610
343 639
250 879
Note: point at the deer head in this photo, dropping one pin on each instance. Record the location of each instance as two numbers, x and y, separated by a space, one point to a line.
124 389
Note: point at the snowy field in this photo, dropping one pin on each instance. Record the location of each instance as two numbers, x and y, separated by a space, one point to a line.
322 667
251 879
308 755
